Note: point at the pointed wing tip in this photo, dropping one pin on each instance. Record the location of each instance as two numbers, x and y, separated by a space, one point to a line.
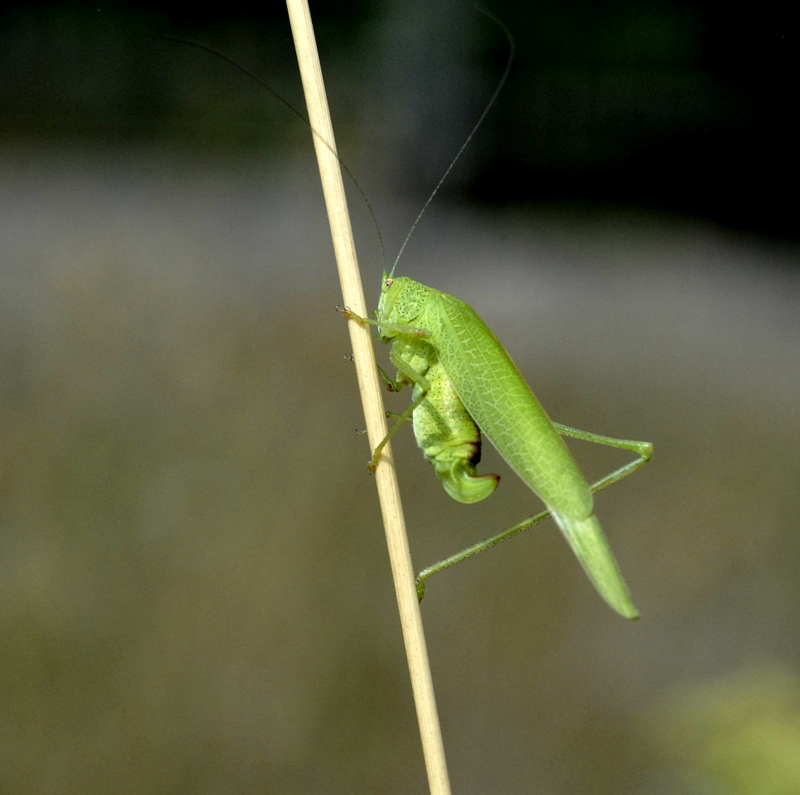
591 547
632 613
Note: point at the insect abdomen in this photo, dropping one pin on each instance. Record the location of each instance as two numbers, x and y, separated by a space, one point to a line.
450 440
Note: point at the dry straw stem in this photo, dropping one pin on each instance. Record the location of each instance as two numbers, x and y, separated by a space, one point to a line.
369 386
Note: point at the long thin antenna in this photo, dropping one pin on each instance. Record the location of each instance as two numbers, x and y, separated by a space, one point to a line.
488 107
300 115
288 105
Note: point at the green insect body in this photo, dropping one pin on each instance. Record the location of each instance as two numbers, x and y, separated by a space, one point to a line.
463 378
447 435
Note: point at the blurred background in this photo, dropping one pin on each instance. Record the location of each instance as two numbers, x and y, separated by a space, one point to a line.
194 588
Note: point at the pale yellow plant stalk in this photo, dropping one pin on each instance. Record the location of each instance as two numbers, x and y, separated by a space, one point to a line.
370 388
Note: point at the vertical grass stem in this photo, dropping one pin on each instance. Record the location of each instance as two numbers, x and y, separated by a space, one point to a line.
370 388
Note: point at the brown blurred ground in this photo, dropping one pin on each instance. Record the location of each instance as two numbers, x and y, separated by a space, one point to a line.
194 595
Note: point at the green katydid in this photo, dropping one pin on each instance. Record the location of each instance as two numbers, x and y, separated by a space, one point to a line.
464 383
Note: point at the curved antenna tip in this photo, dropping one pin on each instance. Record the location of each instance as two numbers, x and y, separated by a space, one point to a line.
498 89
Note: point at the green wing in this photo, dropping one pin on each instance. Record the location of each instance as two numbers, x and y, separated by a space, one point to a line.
502 404
504 407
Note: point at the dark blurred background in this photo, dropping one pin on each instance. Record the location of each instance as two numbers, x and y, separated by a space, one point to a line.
194 590
668 105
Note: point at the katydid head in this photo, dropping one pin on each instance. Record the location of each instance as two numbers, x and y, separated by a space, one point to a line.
402 302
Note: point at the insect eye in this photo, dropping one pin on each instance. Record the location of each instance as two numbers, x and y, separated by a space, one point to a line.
388 283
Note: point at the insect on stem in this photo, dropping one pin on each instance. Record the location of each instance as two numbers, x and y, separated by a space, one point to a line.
465 384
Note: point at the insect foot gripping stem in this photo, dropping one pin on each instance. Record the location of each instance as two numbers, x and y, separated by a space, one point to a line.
345 310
